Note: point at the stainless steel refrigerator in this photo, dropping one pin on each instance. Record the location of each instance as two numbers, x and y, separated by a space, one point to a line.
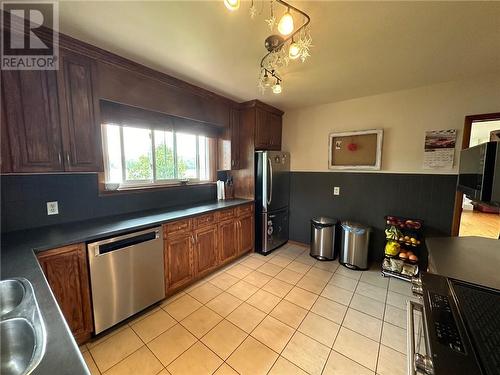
272 195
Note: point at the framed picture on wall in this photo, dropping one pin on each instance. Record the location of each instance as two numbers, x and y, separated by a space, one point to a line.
356 150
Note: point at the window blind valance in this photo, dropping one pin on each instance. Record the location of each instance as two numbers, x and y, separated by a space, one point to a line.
125 115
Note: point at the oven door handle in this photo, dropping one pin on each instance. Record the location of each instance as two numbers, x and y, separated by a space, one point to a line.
415 361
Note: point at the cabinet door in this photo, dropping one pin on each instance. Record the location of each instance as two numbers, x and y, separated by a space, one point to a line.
274 123
245 234
205 249
80 129
235 138
31 111
6 165
262 135
227 240
179 260
66 272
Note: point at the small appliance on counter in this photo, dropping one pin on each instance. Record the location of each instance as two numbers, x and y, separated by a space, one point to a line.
272 196
402 248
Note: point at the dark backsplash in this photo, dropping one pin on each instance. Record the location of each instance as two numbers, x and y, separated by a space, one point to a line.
368 197
24 199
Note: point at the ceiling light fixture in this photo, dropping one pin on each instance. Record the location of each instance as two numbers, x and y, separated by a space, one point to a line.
232 5
293 43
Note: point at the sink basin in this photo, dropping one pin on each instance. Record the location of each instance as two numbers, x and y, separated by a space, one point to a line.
17 346
22 330
11 295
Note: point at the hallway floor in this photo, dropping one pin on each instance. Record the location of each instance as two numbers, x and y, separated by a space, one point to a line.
281 314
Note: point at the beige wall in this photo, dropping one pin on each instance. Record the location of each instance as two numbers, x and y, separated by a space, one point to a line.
404 116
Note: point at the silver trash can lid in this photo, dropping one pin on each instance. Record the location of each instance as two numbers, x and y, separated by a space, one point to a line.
322 220
351 226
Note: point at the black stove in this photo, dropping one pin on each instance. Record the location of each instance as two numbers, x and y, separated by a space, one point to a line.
461 328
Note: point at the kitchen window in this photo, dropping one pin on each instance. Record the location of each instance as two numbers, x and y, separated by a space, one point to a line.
140 157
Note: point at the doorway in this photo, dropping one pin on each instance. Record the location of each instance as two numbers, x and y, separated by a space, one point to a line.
476 218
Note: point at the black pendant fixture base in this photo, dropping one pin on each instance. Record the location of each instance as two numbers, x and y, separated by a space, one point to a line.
274 42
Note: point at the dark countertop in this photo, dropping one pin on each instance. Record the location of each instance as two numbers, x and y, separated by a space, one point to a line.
18 260
472 259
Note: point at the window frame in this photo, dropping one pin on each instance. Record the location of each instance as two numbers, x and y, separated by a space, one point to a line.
211 153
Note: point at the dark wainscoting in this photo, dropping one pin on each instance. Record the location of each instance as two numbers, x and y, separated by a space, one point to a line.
24 199
368 197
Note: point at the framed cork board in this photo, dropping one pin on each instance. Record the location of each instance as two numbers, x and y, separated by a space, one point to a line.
355 150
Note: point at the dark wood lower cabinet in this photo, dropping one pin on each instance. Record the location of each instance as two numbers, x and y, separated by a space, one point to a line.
205 250
245 233
227 240
178 260
66 271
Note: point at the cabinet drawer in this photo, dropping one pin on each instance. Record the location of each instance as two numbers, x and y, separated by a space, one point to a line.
203 220
226 214
244 210
178 226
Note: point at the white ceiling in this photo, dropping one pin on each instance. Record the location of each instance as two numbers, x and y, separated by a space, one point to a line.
360 48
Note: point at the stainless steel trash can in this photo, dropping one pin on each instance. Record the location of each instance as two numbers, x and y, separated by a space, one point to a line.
323 238
354 245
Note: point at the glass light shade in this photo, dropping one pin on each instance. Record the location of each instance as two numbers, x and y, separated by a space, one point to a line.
277 88
294 51
285 26
266 81
232 4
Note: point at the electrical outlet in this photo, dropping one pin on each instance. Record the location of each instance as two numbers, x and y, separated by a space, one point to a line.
52 208
336 190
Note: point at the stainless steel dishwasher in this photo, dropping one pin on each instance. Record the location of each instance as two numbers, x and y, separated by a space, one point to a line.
127 275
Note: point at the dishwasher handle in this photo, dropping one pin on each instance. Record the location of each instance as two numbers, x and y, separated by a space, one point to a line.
118 243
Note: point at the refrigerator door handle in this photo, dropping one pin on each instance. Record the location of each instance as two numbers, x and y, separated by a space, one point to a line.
270 193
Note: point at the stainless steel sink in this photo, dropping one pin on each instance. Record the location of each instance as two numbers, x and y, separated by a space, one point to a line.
22 329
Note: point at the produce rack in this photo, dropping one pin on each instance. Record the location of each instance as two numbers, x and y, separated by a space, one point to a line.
403 240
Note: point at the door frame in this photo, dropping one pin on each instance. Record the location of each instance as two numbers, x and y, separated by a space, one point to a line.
459 196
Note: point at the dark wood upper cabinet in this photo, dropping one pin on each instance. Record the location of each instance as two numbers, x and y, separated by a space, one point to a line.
32 119
267 125
274 122
66 271
6 163
205 249
79 113
229 144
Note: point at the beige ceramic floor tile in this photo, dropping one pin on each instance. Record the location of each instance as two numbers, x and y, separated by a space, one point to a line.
394 337
337 294
246 317
201 321
320 329
367 305
224 280
90 363
319 274
169 345
306 353
344 282
340 365
344 271
391 362
172 298
182 307
312 284
327 266
281 261
140 362
116 348
83 348
225 369
298 267
224 304
371 291
264 301
375 278
270 269
401 287
197 360
289 313
329 309
301 297
277 287
252 358
224 338
285 367
205 292
398 300
357 347
289 276
252 262
153 325
257 278
364 324
103 337
306 259
242 290
273 333
239 271
164 372
395 316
